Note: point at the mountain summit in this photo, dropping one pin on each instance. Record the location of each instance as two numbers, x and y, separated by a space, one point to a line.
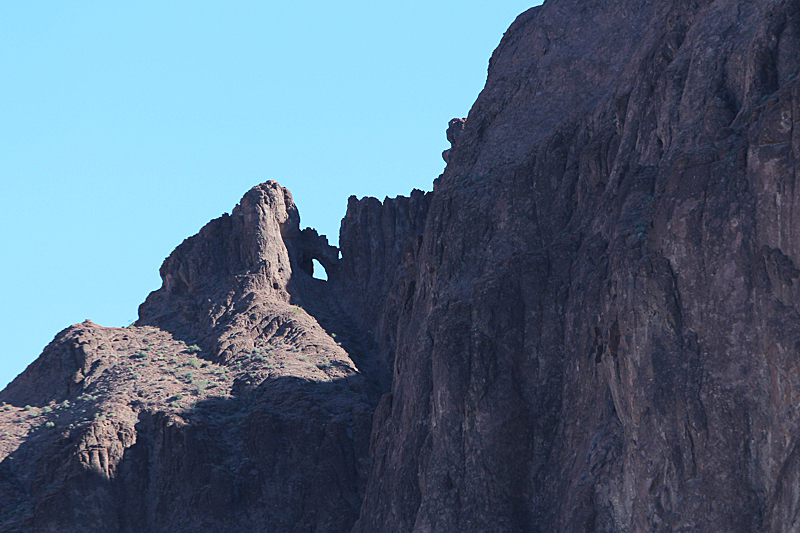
590 325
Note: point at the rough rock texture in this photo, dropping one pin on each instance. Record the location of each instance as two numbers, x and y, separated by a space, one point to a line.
604 334
227 407
591 324
380 245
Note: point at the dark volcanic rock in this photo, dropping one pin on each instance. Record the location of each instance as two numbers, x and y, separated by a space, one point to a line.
237 265
603 334
380 246
264 426
590 325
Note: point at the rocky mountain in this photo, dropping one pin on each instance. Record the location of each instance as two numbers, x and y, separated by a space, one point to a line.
590 325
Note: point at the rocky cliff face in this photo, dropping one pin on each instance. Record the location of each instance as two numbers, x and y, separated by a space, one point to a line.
242 399
227 407
589 325
603 335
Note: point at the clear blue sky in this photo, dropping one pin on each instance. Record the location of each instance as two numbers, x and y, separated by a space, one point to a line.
126 126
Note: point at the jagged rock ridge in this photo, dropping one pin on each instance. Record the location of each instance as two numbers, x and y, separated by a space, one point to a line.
589 325
242 398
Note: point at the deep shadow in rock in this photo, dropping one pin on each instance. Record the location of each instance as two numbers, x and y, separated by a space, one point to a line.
287 454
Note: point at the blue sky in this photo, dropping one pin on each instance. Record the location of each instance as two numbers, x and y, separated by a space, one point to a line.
126 126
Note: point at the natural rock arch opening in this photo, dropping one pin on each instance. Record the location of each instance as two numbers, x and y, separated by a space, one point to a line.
318 271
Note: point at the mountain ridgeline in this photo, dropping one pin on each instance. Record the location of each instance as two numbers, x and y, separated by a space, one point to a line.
590 325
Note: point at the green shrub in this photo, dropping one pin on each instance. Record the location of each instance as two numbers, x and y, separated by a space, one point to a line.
202 385
193 348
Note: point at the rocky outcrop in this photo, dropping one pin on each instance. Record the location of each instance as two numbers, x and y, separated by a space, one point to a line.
233 403
380 244
236 263
603 335
61 371
590 325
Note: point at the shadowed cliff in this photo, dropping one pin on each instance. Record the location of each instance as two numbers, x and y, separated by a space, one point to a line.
590 325
604 333
242 398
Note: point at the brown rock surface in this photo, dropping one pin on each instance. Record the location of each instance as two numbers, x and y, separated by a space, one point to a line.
590 325
260 423
604 333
